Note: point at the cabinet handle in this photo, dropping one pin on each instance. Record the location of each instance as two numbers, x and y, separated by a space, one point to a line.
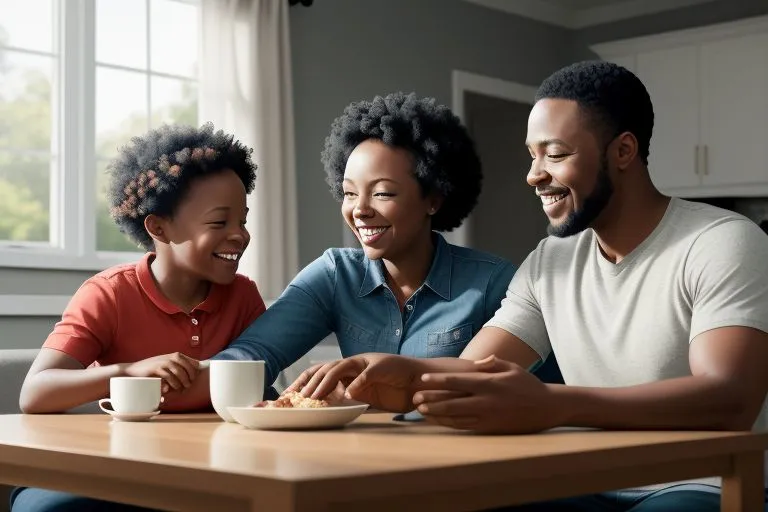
696 160
705 170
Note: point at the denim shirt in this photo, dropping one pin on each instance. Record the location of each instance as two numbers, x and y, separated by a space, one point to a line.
346 293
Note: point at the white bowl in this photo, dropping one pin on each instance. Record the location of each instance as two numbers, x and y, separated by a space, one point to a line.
279 418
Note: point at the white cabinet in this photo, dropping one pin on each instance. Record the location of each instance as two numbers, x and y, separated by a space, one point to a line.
734 111
709 89
670 78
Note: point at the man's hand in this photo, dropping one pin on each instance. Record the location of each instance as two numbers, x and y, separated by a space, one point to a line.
177 370
383 381
503 398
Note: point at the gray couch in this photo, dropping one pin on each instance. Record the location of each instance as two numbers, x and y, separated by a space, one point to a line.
13 368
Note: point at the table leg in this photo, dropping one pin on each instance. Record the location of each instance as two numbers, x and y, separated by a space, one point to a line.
743 488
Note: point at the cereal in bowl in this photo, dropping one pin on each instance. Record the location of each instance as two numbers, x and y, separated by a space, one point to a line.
293 399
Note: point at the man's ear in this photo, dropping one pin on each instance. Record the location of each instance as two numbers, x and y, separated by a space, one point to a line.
625 149
155 226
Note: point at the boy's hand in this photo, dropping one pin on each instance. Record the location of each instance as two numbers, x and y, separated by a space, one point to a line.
177 370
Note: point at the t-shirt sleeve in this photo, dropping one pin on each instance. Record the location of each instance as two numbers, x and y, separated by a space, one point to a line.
87 327
727 278
498 283
520 312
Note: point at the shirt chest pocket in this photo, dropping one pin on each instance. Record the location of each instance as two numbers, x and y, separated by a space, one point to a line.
355 339
449 343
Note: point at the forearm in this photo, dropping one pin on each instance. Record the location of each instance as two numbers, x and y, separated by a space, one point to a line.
58 390
698 403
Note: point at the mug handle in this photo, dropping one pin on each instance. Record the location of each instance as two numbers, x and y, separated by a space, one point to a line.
106 401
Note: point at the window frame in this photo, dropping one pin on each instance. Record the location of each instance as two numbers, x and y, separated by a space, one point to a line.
73 200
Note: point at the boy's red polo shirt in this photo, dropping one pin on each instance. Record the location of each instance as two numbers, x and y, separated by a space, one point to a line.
120 316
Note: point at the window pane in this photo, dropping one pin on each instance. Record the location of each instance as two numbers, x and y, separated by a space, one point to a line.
108 235
27 24
173 101
24 197
174 38
121 33
25 101
121 109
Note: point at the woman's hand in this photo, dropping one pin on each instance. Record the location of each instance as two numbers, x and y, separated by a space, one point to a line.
384 381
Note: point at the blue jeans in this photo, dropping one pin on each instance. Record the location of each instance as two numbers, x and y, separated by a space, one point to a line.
678 498
28 499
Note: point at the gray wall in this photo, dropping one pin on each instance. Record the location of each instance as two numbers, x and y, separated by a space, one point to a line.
709 13
348 50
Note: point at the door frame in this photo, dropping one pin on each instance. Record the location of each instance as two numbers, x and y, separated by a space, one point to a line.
463 82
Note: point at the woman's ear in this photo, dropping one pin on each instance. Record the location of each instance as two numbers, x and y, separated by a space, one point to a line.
155 226
435 202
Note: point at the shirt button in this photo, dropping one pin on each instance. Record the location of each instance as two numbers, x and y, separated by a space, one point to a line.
397 332
194 321
195 341
409 307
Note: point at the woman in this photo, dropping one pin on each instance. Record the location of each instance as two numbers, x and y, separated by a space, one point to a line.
403 168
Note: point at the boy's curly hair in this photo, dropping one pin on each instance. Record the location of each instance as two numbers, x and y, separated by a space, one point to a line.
445 156
152 173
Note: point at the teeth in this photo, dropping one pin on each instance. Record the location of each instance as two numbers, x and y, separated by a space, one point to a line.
368 232
547 200
227 256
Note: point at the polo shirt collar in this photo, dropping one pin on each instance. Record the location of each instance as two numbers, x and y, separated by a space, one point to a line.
212 302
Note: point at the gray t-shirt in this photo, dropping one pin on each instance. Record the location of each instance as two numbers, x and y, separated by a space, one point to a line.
629 323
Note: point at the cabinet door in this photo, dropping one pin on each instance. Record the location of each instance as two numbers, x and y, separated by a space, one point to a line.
734 109
671 78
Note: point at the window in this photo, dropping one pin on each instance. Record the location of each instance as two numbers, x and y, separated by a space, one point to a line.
78 79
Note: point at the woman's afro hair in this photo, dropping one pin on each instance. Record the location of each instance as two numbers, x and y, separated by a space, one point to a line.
445 158
152 173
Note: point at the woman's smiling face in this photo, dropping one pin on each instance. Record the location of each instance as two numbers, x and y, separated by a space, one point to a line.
383 203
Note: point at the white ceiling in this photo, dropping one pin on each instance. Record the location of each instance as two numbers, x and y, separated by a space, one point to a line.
584 13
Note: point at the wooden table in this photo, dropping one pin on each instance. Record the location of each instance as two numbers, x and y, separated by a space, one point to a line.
196 462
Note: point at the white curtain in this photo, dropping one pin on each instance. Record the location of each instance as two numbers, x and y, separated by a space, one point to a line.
246 89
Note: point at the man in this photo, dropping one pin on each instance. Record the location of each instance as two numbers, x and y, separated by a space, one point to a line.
655 308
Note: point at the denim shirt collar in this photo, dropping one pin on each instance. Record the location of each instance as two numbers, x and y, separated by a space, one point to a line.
438 279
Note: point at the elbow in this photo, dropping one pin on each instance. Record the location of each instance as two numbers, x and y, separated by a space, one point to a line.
743 421
31 403
741 414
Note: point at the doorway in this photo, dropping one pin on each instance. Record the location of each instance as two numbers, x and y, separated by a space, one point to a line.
508 220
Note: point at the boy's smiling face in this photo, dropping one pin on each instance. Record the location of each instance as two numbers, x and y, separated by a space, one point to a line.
206 235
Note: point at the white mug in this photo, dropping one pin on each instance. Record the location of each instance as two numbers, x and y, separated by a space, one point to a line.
235 384
133 395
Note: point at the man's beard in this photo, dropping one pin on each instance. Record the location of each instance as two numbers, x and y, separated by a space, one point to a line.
579 220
